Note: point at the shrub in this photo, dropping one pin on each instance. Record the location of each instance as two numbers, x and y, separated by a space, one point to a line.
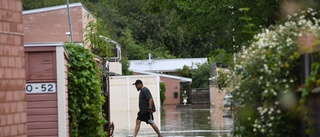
85 99
265 95
162 92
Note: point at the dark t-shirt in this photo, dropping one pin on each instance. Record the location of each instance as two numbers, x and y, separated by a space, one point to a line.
144 97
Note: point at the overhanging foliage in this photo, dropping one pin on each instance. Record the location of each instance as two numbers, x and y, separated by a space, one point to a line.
85 99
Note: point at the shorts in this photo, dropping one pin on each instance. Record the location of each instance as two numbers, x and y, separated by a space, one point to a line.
148 118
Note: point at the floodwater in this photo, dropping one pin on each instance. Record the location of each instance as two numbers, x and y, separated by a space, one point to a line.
183 122
187 122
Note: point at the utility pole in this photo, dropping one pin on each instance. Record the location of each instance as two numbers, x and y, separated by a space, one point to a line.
69 18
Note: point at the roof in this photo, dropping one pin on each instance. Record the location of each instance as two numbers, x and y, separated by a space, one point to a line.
47 44
54 8
41 44
182 79
165 65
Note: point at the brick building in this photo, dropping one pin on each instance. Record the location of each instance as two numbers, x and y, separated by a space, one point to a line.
12 70
51 24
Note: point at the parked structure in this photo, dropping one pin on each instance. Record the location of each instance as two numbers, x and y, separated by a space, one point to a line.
47 89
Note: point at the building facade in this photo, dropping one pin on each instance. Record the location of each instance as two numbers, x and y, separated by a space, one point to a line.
51 24
12 71
172 91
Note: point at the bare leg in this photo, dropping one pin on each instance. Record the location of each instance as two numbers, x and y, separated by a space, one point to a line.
137 128
154 126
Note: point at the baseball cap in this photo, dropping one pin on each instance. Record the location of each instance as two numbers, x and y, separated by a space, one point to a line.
138 81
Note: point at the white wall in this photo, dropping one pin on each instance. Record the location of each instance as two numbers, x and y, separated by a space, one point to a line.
124 103
115 67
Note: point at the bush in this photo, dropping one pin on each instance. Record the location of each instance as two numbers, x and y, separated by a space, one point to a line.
265 96
162 92
85 99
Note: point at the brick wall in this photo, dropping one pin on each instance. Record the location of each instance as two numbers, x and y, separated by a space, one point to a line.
12 71
51 26
216 99
172 85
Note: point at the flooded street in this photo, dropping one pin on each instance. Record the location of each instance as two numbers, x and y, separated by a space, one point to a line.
194 122
187 122
195 119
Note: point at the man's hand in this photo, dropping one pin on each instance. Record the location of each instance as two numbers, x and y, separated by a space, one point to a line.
150 111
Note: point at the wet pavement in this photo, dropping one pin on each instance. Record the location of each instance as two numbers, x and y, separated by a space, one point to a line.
187 122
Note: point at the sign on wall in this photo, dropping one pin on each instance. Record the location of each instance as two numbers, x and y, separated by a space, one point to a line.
40 88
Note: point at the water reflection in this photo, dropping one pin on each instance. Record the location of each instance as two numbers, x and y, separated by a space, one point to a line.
194 122
186 122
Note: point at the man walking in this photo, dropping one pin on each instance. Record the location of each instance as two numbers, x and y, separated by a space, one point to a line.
146 108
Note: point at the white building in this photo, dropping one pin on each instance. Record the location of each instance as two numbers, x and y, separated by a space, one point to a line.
165 65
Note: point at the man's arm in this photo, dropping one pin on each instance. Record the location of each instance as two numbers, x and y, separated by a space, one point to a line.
150 105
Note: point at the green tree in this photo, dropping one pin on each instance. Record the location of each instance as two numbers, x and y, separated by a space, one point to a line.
125 66
200 77
179 28
218 20
96 37
159 34
129 25
221 56
131 49
185 71
34 4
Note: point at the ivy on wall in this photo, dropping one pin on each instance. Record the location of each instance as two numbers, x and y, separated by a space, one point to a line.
85 99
